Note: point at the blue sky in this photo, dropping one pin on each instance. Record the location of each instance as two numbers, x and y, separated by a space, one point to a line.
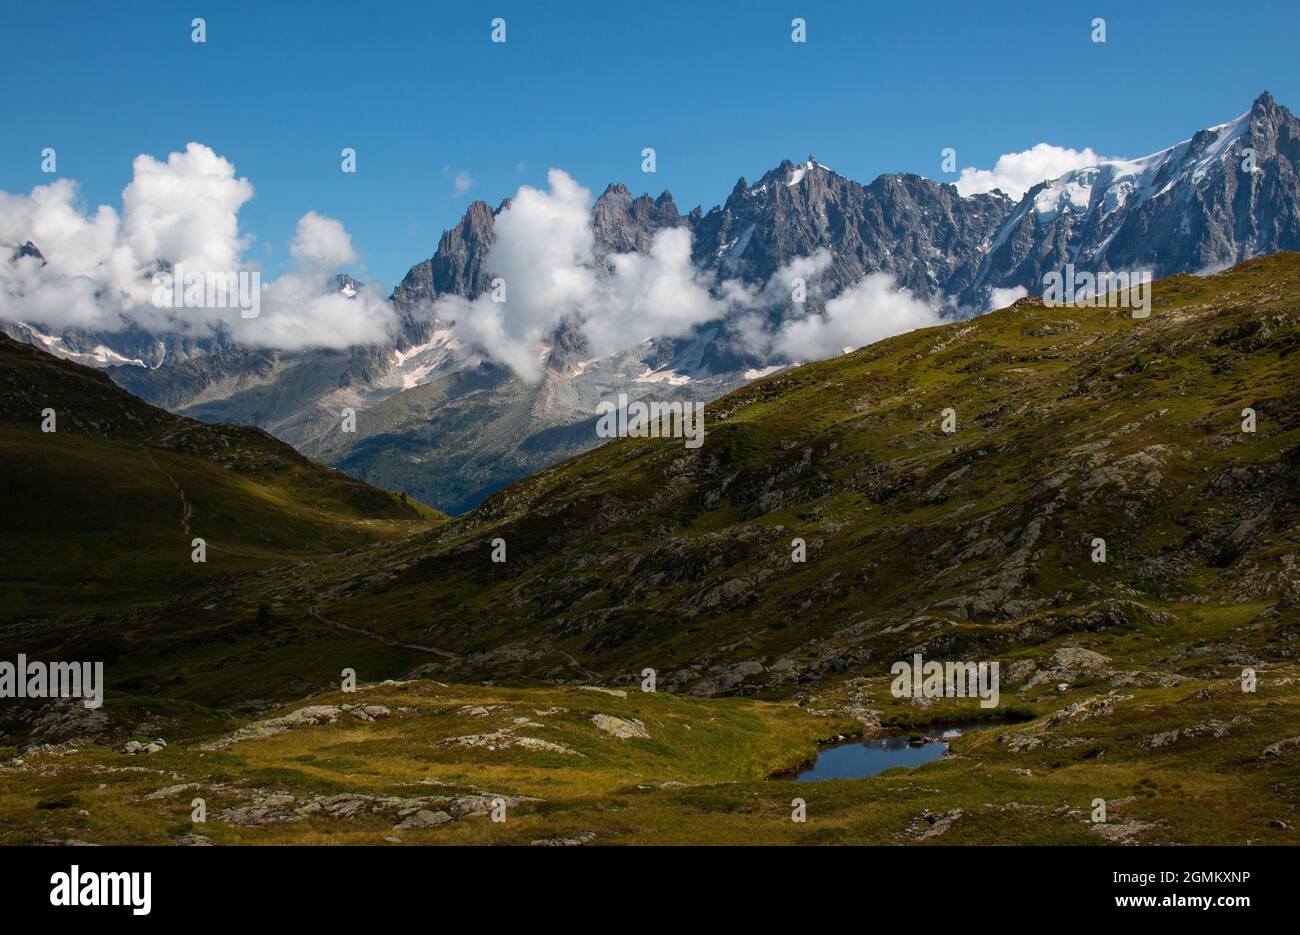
719 91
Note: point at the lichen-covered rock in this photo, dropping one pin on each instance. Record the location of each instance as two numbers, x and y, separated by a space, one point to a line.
622 728
311 714
423 819
1078 659
1288 745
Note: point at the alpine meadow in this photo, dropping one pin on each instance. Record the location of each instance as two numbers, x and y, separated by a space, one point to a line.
948 496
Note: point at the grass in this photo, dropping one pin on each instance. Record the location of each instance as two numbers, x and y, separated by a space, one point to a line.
1073 424
101 513
702 777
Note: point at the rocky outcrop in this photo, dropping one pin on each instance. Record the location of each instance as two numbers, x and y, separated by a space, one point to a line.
264 807
309 715
622 728
930 824
1287 746
918 230
622 223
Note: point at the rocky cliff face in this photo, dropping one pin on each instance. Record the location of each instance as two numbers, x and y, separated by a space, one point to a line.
624 224
458 268
923 232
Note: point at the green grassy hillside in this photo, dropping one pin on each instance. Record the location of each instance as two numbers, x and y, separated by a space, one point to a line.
1121 679
1072 424
100 513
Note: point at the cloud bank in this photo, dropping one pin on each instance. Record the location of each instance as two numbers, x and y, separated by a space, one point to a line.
100 269
544 257
182 212
543 263
870 310
1001 298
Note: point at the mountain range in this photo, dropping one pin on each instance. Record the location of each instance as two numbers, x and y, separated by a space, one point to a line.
441 421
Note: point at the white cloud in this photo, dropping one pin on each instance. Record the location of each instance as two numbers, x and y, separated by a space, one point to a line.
752 328
1210 269
1001 298
185 210
322 239
870 310
461 181
804 268
1016 173
301 306
779 289
298 311
659 295
544 250
182 211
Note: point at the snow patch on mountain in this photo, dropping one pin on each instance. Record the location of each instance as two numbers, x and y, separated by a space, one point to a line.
1130 182
671 377
98 356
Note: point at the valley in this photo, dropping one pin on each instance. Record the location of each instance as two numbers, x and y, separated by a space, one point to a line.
517 685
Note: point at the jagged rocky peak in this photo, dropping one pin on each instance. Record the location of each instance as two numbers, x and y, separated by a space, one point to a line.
458 267
787 173
623 224
28 249
1271 123
346 285
916 228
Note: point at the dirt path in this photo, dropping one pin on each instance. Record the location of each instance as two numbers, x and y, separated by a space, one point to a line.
577 666
391 641
186 510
